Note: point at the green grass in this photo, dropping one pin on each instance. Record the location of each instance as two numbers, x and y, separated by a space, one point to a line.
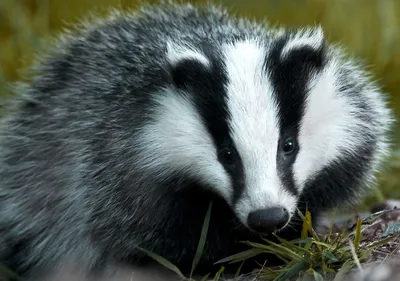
368 29
310 257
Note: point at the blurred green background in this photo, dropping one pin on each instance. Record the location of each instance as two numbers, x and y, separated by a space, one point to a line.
369 29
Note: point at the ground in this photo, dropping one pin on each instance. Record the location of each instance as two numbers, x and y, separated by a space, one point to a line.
369 30
384 261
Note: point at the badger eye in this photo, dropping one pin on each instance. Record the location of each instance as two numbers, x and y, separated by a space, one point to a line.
288 146
227 155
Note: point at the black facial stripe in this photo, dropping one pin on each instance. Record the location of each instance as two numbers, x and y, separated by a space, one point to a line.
345 176
207 85
289 77
339 181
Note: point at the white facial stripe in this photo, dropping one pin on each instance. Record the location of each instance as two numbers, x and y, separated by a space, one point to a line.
178 52
255 130
178 140
328 127
313 38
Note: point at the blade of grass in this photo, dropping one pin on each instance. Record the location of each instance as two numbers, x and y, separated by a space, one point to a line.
310 227
328 254
291 272
164 262
274 248
357 235
373 218
292 246
301 215
241 256
326 245
382 242
205 277
317 276
346 267
218 274
308 221
306 243
301 240
238 271
329 235
202 241
355 257
342 241
338 238
365 254
304 230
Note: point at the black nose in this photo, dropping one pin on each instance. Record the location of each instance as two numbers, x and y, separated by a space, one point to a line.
268 220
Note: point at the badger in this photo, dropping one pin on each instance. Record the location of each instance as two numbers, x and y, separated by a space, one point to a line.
133 125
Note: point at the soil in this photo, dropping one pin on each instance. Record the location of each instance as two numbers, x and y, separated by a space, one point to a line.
383 221
384 262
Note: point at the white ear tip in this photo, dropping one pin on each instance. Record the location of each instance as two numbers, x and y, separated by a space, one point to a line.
177 52
313 38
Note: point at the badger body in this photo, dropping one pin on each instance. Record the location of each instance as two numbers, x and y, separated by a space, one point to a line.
133 125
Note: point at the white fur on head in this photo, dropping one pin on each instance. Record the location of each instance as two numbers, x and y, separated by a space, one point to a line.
255 129
177 140
328 127
332 126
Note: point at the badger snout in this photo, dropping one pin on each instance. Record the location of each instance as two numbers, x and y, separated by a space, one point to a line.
268 220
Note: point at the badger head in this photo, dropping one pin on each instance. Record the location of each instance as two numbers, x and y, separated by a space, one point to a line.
269 124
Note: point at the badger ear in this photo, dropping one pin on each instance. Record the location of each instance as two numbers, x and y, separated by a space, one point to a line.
305 47
187 65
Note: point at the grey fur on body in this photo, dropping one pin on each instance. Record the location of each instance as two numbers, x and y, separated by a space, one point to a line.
66 151
73 150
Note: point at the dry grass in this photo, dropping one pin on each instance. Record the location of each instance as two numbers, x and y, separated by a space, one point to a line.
330 255
369 29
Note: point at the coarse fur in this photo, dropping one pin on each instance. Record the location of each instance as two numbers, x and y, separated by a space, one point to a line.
119 139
